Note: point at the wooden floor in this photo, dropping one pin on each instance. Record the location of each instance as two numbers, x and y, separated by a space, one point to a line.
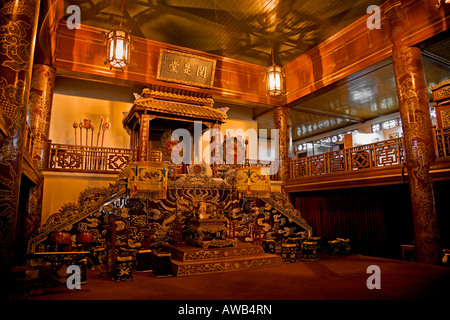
342 278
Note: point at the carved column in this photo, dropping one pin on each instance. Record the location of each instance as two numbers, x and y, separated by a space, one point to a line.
282 119
418 136
18 24
40 108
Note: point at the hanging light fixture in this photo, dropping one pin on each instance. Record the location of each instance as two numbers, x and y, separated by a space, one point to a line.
118 47
274 79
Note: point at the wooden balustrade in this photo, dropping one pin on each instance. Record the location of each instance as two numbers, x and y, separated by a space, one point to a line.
274 167
442 142
378 154
63 157
374 155
72 158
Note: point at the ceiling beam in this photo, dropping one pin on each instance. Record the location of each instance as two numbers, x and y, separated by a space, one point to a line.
256 116
316 112
328 114
436 58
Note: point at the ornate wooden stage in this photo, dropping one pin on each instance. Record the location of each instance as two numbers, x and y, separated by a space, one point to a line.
190 260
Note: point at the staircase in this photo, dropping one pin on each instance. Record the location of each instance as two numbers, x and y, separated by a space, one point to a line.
280 203
189 260
89 202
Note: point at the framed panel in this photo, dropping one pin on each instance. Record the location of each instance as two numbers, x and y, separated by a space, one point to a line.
185 68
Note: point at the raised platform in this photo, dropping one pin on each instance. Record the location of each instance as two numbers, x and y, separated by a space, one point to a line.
189 260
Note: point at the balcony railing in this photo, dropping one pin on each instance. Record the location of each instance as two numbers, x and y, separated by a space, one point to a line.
63 157
362 157
442 142
71 158
375 155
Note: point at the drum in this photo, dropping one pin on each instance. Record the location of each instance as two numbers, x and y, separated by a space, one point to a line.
334 248
144 260
60 238
297 241
123 268
269 246
289 252
60 241
318 240
344 247
99 256
162 265
85 237
310 251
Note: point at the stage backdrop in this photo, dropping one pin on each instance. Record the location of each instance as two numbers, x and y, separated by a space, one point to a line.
377 220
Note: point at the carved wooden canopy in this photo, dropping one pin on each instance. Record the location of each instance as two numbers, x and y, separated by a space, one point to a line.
175 107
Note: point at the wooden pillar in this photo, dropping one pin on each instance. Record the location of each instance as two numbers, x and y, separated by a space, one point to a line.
40 108
418 136
18 24
282 120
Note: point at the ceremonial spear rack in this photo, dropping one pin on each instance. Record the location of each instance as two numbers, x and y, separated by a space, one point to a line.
94 156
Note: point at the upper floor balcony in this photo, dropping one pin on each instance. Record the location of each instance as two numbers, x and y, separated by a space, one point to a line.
371 164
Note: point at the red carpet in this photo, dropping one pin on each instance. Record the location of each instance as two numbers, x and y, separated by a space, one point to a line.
327 279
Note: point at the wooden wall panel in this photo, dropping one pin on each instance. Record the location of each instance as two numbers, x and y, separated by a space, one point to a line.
83 51
357 47
354 48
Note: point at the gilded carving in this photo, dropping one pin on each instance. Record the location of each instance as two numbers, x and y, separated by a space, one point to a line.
282 119
445 116
414 110
39 108
14 44
20 7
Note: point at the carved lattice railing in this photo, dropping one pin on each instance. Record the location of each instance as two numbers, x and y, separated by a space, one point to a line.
442 142
64 157
373 155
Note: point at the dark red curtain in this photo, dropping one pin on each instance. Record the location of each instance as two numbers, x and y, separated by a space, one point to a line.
377 220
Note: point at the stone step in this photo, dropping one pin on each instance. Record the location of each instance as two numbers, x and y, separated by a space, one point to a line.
185 252
229 264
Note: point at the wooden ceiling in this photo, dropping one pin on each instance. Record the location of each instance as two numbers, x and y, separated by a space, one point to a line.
366 95
248 30
241 29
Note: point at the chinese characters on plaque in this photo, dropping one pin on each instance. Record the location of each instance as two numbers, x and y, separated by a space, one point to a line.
186 68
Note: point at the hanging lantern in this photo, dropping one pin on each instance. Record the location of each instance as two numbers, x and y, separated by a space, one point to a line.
274 80
118 48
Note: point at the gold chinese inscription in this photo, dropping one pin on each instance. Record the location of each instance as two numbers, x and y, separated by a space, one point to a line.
180 67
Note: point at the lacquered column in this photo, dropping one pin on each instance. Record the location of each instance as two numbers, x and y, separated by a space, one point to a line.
282 120
418 136
18 24
40 108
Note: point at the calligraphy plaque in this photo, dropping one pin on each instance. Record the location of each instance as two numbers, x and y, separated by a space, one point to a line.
143 137
185 68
